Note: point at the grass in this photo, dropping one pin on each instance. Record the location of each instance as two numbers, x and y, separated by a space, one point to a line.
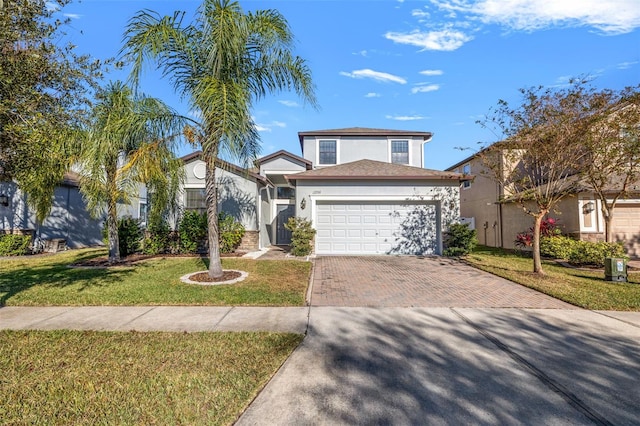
73 377
584 288
48 281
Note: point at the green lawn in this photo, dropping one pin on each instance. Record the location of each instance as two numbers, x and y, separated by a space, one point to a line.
83 378
48 281
584 288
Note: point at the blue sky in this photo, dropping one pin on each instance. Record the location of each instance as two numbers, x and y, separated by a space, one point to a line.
432 65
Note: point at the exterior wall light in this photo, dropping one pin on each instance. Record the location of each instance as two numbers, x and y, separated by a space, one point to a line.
303 204
589 207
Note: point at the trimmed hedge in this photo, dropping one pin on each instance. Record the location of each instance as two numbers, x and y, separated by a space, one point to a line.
459 240
580 253
14 244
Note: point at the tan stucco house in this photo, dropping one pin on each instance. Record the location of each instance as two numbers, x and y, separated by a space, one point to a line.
579 215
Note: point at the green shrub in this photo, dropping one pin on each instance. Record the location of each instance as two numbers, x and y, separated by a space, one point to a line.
459 240
557 246
230 233
129 236
14 245
157 237
192 230
301 235
593 254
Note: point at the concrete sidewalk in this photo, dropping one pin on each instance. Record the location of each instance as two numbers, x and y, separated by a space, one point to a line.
156 318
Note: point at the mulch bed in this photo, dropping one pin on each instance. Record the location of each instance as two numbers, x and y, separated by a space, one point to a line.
203 277
103 261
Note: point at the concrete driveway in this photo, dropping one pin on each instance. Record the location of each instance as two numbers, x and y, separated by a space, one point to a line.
409 281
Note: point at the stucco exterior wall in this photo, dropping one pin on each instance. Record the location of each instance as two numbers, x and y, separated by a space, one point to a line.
356 148
237 194
282 164
68 220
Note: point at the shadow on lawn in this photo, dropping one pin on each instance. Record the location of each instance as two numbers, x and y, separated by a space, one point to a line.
57 274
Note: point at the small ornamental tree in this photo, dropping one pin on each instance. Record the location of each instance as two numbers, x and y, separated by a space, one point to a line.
537 161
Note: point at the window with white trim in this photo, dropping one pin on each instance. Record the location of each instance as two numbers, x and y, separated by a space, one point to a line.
327 151
466 170
195 199
400 152
142 213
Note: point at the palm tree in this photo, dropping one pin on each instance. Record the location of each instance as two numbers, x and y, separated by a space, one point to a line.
223 63
128 143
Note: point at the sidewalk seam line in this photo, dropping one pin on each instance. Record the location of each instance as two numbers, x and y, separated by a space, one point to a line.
151 308
565 393
615 318
34 324
215 326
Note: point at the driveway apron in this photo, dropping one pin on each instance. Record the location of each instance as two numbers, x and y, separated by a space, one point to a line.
408 281
452 366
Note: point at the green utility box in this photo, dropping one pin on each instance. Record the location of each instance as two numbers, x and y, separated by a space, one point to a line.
615 269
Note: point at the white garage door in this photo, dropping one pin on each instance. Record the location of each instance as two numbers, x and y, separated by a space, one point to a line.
376 228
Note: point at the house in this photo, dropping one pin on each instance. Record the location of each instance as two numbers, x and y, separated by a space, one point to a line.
364 190
579 216
69 223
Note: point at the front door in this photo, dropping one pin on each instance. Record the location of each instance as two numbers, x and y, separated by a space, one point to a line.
283 235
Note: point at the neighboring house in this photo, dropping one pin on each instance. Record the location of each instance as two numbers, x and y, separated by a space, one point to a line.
69 222
579 216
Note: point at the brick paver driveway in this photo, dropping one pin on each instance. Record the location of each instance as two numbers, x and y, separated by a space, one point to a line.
402 281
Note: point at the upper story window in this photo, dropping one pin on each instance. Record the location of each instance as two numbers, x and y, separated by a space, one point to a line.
466 170
327 151
400 152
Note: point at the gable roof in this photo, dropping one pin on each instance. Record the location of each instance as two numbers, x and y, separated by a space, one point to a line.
283 153
364 131
224 165
376 170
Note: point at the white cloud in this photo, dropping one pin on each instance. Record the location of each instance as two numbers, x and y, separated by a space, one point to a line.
626 65
420 13
607 16
431 72
72 15
405 117
372 95
424 88
268 127
374 75
361 53
291 104
447 39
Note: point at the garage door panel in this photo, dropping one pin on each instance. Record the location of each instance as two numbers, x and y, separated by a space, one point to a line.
370 228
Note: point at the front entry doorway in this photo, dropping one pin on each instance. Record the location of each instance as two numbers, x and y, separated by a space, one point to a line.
283 235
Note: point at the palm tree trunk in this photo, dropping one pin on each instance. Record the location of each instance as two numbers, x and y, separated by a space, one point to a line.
112 232
112 218
215 266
